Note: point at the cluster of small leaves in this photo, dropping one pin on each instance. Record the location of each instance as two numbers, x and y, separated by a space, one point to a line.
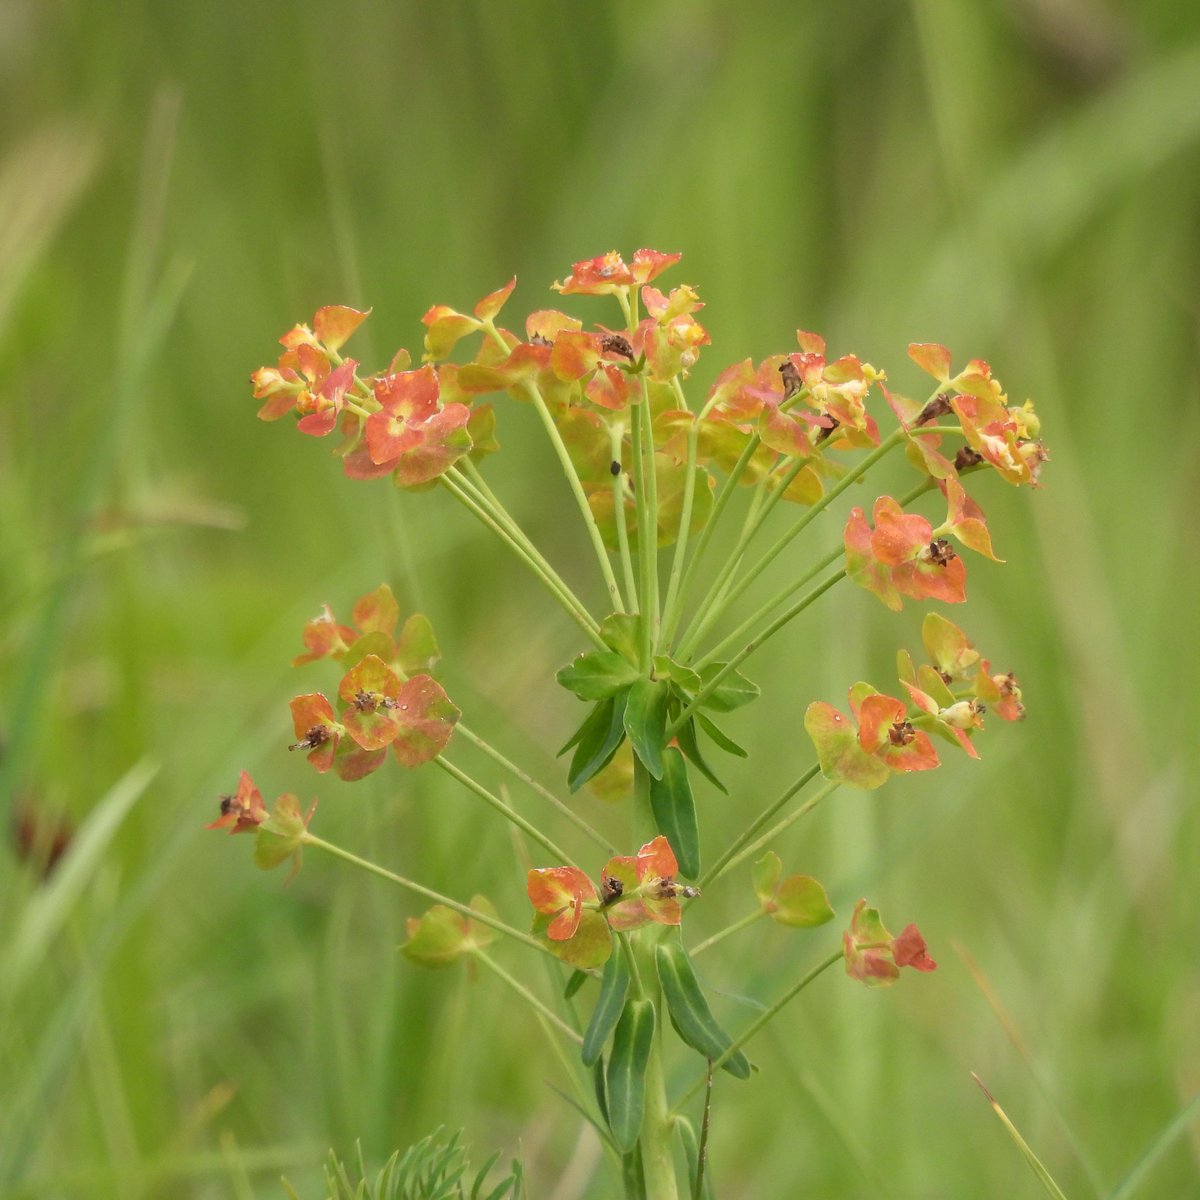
948 697
435 1168
386 698
628 704
626 1017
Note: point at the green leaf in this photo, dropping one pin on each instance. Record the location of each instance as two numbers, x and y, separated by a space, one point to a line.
416 647
690 1014
281 835
633 1176
675 813
686 737
732 692
622 632
691 1153
801 902
597 675
625 1079
602 733
842 758
575 981
377 643
588 948
645 720
722 739
682 677
614 987
437 939
481 425
765 877
598 1069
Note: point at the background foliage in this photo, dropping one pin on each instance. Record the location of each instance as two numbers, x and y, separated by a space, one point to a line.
179 183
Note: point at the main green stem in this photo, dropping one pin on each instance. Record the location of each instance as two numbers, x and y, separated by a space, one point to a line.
658 1164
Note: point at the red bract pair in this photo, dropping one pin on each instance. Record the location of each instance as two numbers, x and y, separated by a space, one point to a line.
874 957
884 742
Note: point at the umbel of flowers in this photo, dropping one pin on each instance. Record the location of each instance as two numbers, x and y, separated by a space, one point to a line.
664 636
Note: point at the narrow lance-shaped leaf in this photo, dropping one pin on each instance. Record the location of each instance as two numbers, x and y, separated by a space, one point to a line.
599 737
675 813
614 987
633 1175
645 721
691 1153
600 1089
690 1014
720 737
625 1078
686 738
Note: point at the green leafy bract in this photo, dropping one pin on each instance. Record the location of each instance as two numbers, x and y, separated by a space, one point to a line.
598 675
596 740
842 758
614 987
732 692
690 1014
622 632
645 720
675 813
625 1079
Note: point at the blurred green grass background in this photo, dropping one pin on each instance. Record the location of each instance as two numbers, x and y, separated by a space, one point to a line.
179 183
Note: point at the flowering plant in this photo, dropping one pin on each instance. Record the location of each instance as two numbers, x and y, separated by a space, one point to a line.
652 475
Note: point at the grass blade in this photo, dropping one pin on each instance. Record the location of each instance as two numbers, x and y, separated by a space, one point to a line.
1157 1148
1035 1164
